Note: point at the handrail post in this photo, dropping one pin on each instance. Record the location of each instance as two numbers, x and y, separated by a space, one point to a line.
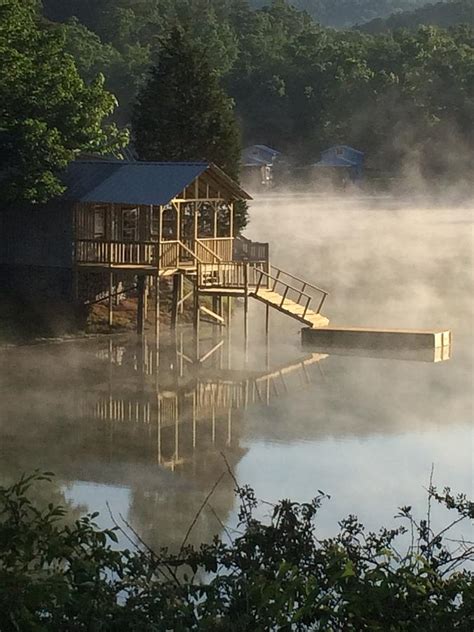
322 302
302 292
283 298
276 280
307 306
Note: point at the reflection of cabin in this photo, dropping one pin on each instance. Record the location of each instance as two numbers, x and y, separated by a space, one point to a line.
257 163
340 163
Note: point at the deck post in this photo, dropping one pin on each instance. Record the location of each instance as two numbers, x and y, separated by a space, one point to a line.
141 304
145 298
196 319
177 282
229 332
111 299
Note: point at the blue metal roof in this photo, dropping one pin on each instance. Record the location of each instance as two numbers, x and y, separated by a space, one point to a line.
120 182
258 155
335 161
345 147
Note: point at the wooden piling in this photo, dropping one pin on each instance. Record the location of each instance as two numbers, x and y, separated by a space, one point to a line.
246 312
111 298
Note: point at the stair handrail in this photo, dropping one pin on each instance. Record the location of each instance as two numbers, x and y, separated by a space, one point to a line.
207 249
304 286
295 278
287 286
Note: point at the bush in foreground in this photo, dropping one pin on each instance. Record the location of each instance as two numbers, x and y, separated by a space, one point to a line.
274 575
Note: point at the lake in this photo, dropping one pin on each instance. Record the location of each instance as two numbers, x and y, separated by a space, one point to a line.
142 435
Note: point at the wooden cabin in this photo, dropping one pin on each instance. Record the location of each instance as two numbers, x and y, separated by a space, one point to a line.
115 221
257 166
126 225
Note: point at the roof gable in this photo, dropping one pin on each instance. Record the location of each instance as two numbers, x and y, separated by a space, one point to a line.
147 183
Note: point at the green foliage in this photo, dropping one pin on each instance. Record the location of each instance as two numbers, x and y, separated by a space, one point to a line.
47 113
272 575
443 14
403 98
182 113
344 13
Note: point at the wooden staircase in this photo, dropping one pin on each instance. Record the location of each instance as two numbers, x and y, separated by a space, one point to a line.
273 286
291 308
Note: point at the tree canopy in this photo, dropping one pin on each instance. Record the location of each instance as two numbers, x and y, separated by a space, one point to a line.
297 86
48 114
182 113
444 14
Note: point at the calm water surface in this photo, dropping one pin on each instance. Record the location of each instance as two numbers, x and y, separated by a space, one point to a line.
148 442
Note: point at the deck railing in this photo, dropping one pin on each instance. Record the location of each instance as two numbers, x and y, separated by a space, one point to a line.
214 249
116 252
170 253
246 250
230 274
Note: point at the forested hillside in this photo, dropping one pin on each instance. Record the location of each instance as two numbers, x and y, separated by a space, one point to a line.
443 14
296 85
345 13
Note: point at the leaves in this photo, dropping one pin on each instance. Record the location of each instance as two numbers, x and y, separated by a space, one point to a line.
274 575
47 113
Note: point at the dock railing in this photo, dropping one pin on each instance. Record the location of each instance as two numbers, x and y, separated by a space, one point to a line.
297 289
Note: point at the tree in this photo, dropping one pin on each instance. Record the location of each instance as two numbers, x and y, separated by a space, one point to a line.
182 113
48 114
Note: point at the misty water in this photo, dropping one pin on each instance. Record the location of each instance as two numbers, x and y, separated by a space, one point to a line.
148 442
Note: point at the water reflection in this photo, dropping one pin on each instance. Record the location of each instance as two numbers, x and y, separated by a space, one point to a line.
119 422
120 412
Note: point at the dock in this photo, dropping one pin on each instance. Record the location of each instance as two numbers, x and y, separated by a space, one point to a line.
370 338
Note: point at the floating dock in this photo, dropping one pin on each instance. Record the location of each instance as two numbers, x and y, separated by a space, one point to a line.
367 338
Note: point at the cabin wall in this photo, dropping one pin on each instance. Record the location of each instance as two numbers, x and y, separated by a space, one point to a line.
36 251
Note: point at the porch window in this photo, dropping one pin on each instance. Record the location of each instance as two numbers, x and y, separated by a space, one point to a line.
170 221
155 221
130 224
99 222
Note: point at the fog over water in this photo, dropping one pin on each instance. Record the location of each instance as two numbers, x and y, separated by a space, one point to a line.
365 430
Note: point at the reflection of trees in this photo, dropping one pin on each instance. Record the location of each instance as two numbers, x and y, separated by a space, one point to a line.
163 516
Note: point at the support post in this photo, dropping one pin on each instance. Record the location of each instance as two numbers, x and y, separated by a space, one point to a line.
111 298
177 281
267 336
229 332
196 319
141 305
145 298
246 312
157 308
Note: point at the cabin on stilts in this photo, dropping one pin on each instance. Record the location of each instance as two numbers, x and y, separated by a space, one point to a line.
122 225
